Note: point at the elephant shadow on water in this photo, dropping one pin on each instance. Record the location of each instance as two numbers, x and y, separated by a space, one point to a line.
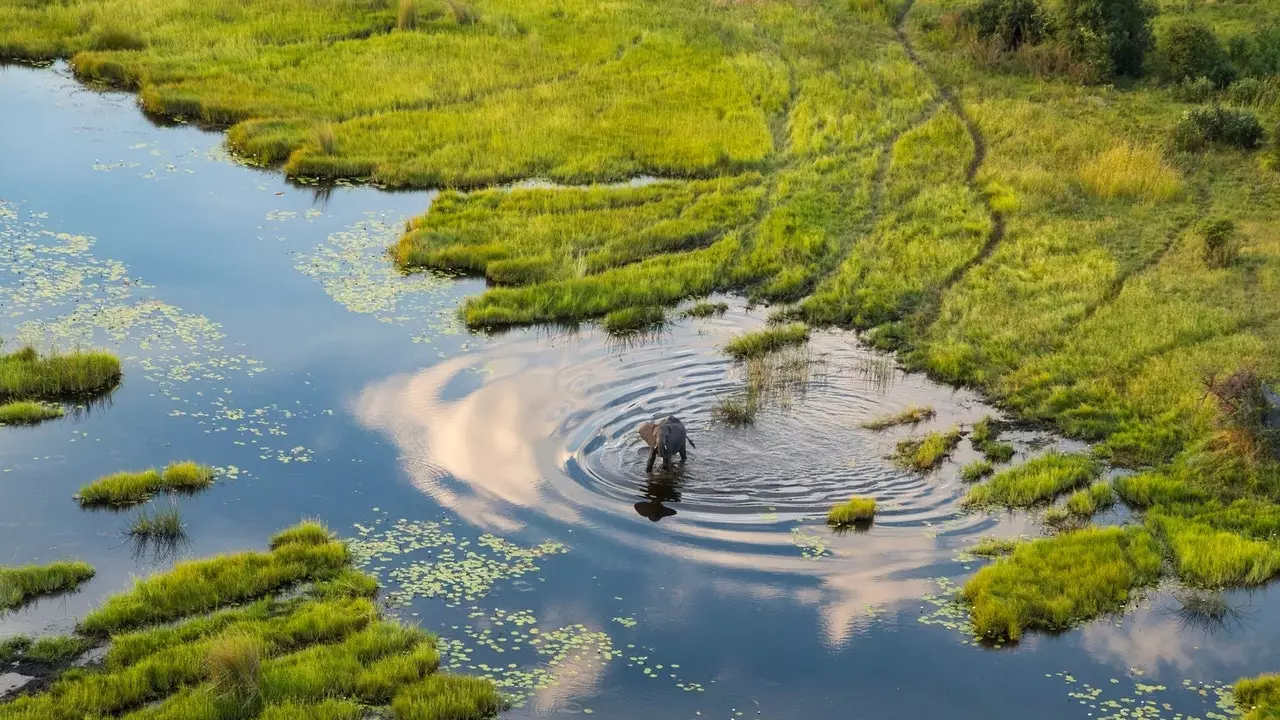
660 488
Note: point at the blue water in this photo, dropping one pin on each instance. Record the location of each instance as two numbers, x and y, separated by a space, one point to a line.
265 333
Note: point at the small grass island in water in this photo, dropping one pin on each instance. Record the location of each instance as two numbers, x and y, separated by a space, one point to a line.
854 511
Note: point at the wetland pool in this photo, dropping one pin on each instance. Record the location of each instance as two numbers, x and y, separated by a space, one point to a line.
495 485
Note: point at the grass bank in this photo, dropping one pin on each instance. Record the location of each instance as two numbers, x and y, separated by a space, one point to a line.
19 586
220 639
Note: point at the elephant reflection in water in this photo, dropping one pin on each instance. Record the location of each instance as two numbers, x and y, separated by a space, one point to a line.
663 487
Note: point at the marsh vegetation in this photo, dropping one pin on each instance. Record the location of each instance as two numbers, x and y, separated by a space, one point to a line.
23 584
122 489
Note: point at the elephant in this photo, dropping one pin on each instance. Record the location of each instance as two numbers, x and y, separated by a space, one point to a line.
665 437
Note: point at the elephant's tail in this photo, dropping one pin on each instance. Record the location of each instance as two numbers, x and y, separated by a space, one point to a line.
692 444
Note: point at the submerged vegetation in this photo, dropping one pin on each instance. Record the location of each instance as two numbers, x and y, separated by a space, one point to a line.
219 639
21 585
130 488
852 512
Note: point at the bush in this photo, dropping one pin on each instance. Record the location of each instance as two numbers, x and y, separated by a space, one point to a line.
1256 56
1111 36
1198 90
1246 91
1012 23
1189 49
1221 242
1216 125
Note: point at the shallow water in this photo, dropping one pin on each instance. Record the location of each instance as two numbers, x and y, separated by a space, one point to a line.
495 483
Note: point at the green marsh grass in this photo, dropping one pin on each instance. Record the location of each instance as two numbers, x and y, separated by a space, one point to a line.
738 409
1037 481
28 412
1091 500
1258 697
157 525
631 321
1208 556
854 511
758 343
704 308
926 453
26 375
23 584
130 488
1052 584
994 547
289 634
912 415
976 470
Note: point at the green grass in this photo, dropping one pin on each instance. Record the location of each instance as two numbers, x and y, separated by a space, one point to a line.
1211 556
758 343
851 512
984 435
25 375
130 488
165 524
976 470
630 321
1052 584
1039 480
1258 697
994 547
738 409
911 415
28 412
926 453
1089 501
193 642
704 309
448 697
20 585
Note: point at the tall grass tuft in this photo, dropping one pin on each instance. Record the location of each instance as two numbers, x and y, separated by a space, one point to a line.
1221 242
25 375
1131 172
327 139
912 415
738 409
854 511
407 15
1258 697
161 525
927 452
234 664
463 14
634 320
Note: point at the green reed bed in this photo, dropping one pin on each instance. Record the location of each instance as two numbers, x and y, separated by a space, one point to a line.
1258 697
852 512
1039 480
130 488
1053 583
976 470
20 585
52 650
928 452
705 309
994 547
632 321
216 639
28 412
162 524
26 375
758 343
911 415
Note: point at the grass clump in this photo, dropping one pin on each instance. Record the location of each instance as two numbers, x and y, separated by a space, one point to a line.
52 650
28 412
1054 583
1210 556
985 432
738 409
23 584
912 415
630 321
448 697
1127 171
976 470
854 511
234 663
1258 697
1037 481
163 525
994 547
704 308
1221 242
758 343
928 452
1089 501
25 375
130 488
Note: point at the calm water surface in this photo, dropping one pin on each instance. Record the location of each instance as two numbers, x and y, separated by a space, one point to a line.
495 484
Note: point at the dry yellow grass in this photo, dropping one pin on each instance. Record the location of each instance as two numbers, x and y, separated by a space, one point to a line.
1130 171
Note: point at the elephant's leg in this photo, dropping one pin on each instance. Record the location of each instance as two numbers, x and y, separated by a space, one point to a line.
653 455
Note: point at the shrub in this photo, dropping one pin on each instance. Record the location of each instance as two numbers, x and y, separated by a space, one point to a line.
1257 55
1201 127
856 510
1198 90
1221 242
1246 91
1010 23
1188 49
1113 36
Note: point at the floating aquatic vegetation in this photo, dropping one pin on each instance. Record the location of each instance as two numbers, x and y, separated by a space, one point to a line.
353 267
947 611
1127 698
448 566
812 546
